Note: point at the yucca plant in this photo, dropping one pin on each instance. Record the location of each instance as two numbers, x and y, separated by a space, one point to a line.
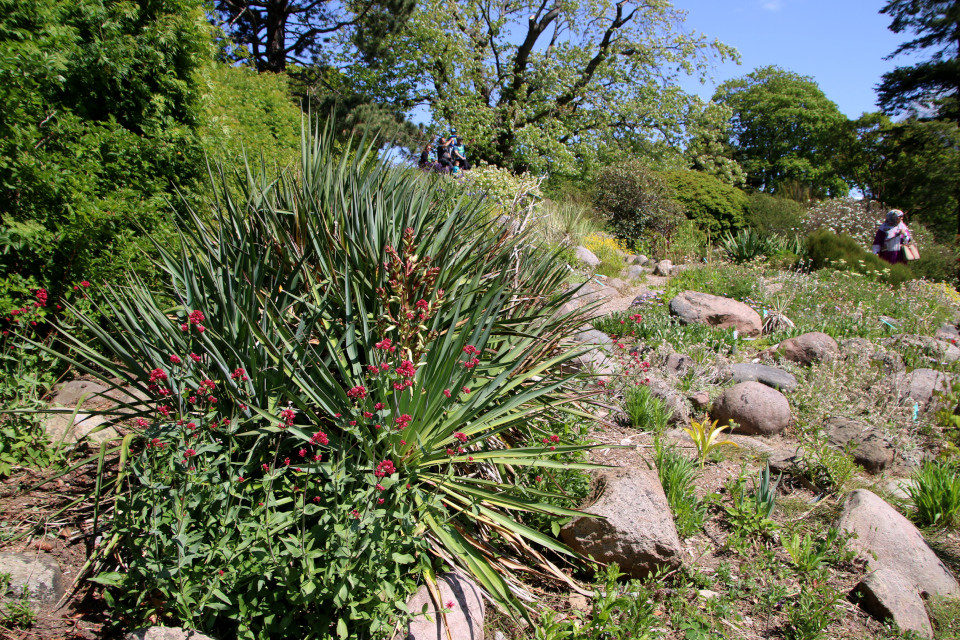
341 379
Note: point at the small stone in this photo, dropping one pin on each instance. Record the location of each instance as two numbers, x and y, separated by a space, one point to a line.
592 336
71 393
626 442
678 364
641 260
663 390
770 376
636 529
700 400
809 348
663 268
616 283
887 595
706 594
865 443
949 333
635 272
37 575
587 257
900 488
755 408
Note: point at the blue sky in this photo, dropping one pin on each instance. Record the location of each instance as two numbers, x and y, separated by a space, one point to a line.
839 43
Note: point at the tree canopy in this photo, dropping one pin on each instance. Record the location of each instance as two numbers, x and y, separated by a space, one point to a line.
931 83
783 131
541 85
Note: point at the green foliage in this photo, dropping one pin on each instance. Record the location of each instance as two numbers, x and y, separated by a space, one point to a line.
813 610
707 438
935 494
15 613
810 557
708 151
770 214
783 129
645 410
512 193
713 205
752 516
637 203
826 467
564 223
749 245
99 111
678 474
933 81
525 105
277 456
252 114
619 610
827 250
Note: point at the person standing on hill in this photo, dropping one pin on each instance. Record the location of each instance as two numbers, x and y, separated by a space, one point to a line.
890 236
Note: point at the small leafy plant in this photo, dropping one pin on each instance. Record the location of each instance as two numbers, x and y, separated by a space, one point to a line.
812 611
16 612
678 474
935 493
752 516
706 438
810 556
645 410
828 468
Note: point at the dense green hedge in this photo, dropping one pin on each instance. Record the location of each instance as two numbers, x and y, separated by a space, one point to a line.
827 250
713 205
771 214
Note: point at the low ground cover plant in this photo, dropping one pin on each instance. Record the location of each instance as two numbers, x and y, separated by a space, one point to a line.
935 494
335 401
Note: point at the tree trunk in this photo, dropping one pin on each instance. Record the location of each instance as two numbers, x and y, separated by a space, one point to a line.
277 12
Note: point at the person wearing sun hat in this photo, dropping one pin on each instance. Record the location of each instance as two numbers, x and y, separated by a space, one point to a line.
890 236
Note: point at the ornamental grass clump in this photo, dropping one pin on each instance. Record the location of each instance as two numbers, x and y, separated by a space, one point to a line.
342 376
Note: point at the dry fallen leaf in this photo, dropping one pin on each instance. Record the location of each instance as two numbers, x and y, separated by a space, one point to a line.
43 544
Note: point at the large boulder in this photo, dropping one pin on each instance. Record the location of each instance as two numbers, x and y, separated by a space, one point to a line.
922 386
616 283
809 348
755 408
663 268
37 576
593 336
165 633
678 364
586 256
70 428
887 595
949 333
771 376
865 443
887 540
465 619
635 528
722 313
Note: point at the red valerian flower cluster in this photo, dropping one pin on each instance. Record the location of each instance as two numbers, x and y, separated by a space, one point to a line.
385 468
386 345
239 375
319 438
357 393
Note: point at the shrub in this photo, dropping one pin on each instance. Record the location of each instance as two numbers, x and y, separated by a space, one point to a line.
827 250
936 494
938 262
715 206
771 214
858 219
637 204
318 430
564 224
609 250
511 193
749 245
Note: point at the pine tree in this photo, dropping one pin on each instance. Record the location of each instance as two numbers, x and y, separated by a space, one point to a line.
932 85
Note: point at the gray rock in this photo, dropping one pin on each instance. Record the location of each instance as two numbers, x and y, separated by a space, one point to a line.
770 376
592 336
678 364
889 541
921 386
865 443
809 348
36 575
860 347
636 271
69 394
887 595
587 257
891 362
942 351
721 313
663 268
664 390
900 487
700 400
465 620
165 633
595 363
949 333
94 428
641 260
755 408
616 283
636 529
